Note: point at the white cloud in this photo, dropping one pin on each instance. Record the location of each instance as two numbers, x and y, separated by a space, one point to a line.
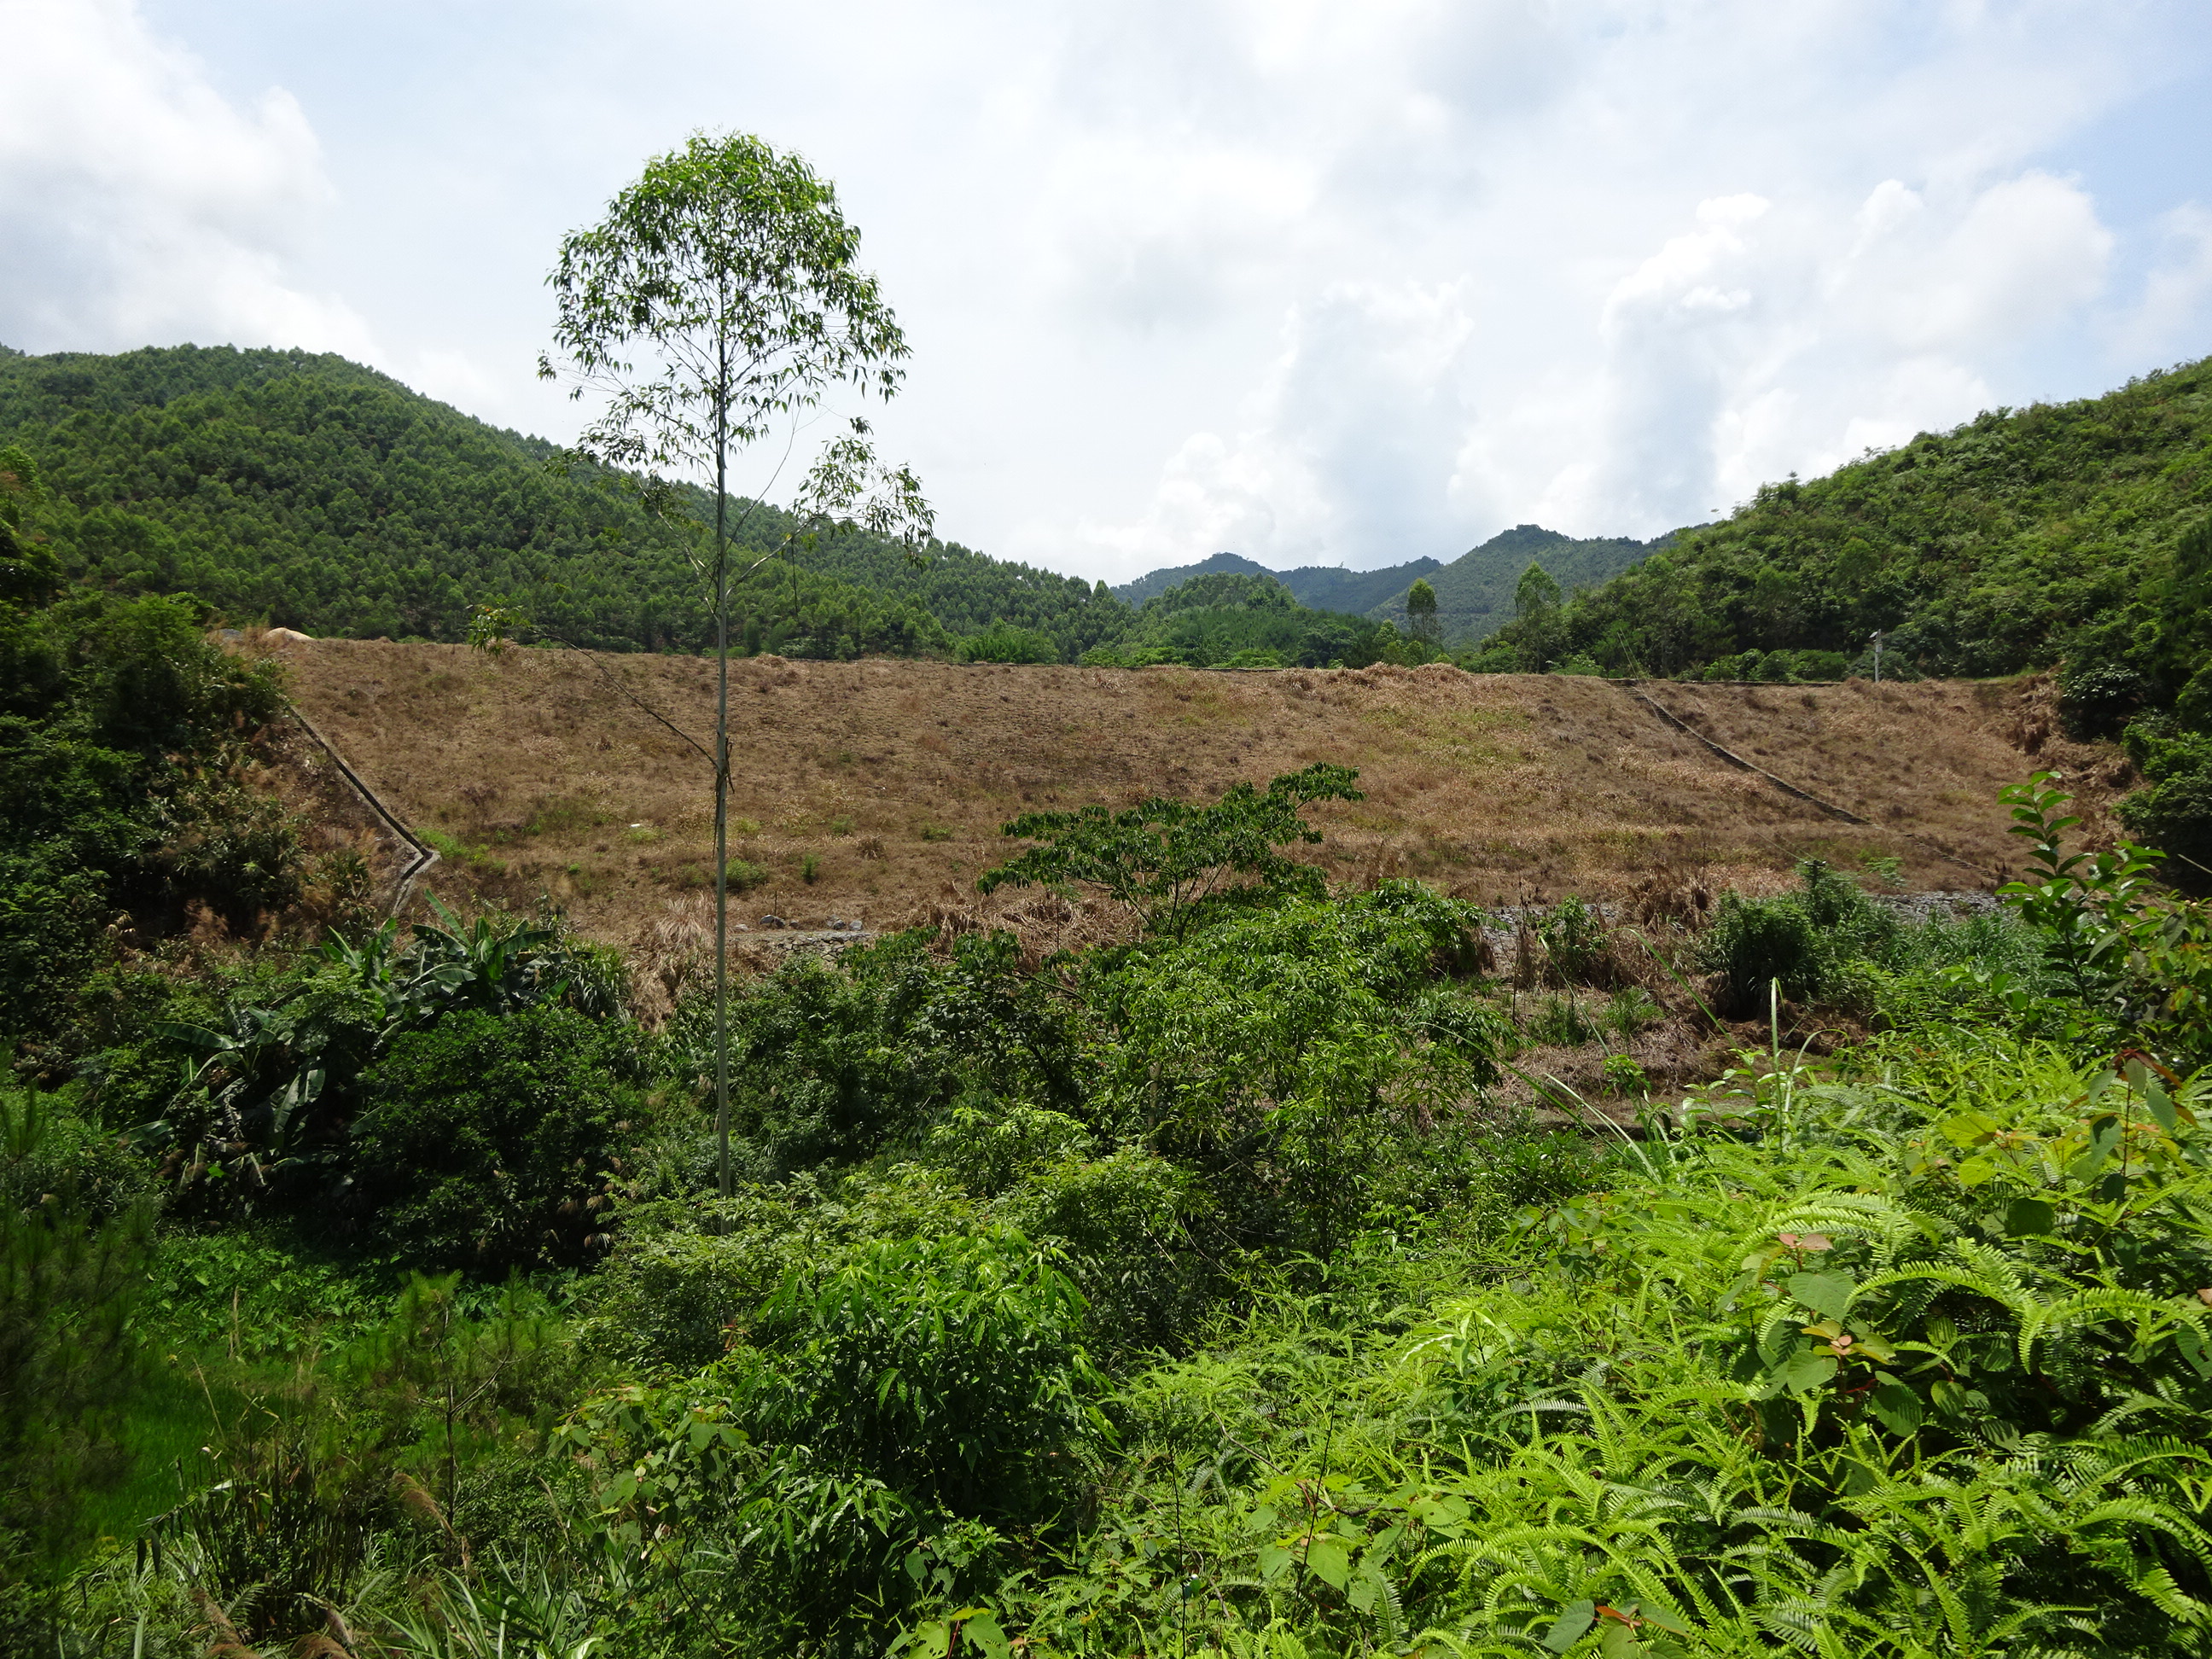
1312 472
1770 343
1999 267
1308 281
137 204
2173 317
1619 359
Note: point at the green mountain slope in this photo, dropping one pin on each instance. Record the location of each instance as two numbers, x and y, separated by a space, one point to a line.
319 494
1245 619
1474 592
2078 533
2021 537
1317 586
1158 581
1332 587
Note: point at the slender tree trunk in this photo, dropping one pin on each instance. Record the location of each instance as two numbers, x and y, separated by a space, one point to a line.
721 779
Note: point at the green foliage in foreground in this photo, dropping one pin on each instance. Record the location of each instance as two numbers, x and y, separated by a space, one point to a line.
1193 1292
121 733
74 1228
419 1093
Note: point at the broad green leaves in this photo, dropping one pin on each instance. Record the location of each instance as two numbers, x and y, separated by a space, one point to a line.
1165 858
731 263
1828 1295
1282 1052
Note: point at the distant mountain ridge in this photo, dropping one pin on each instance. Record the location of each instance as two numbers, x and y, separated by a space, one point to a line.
1474 592
1317 587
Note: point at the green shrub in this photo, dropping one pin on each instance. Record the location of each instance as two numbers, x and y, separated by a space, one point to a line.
1562 1021
675 1298
1524 1171
837 1062
1284 1054
986 1146
2174 812
485 1141
1007 642
1753 943
1123 1223
2096 698
120 727
1175 862
1577 944
1799 941
1623 1076
1628 1011
952 1369
73 1250
689 1275
902 1413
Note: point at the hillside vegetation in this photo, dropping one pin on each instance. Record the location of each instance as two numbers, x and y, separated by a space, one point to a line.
308 492
1339 1162
1163 1248
1474 592
2077 533
2020 539
1322 587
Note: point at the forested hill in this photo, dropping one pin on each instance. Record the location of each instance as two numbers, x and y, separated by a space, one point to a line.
1158 581
1318 586
2021 537
314 493
1474 592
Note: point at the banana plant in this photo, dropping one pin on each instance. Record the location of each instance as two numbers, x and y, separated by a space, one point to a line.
276 1076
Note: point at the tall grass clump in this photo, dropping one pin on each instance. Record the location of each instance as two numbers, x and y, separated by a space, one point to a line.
1801 941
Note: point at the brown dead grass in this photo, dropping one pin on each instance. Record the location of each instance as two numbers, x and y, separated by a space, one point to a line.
894 777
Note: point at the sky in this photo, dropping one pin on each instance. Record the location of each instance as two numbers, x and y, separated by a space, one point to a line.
1313 283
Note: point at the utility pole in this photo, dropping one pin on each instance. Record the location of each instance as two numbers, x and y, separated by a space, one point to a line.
1877 656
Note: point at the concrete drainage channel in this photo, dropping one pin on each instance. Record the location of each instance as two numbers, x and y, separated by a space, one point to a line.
425 855
1635 689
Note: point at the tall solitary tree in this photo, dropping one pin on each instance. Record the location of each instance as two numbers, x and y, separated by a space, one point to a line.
1421 614
1537 596
715 306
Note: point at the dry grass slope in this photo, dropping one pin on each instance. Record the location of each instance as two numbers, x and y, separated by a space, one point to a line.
874 790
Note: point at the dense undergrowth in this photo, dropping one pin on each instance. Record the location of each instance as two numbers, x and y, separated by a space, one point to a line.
1254 1285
